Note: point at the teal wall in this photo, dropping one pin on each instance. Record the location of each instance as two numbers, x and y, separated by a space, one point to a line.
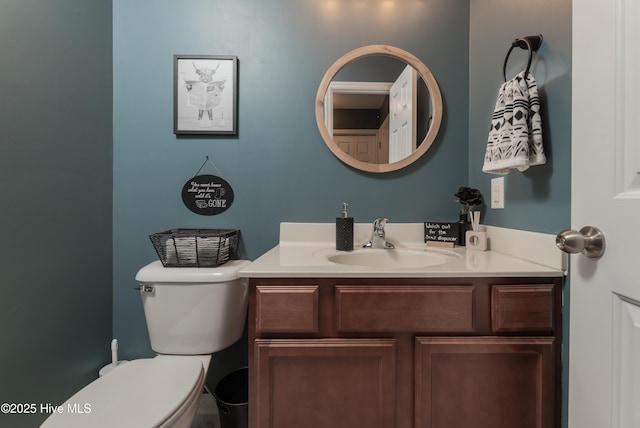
539 198
278 165
55 188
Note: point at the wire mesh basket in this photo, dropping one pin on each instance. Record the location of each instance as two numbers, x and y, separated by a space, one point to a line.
195 247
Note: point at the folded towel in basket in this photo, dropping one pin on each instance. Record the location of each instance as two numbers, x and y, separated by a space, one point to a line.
197 251
180 251
515 137
212 249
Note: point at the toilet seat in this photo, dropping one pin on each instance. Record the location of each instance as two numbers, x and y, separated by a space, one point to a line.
141 393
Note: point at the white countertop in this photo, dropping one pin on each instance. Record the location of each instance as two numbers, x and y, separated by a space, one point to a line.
305 247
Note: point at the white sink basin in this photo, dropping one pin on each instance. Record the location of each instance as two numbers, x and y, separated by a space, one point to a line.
395 258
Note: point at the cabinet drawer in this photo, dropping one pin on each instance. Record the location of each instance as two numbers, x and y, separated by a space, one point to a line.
522 308
287 309
405 308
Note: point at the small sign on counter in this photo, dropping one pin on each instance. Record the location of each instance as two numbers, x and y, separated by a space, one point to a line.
443 234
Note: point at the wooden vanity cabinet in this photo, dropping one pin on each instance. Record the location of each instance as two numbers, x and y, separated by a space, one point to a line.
405 353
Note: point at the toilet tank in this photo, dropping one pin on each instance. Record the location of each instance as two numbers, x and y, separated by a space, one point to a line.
192 311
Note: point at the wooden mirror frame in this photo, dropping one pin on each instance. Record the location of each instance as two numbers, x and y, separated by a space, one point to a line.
432 87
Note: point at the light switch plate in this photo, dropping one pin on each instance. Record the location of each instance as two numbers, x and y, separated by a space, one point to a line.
497 193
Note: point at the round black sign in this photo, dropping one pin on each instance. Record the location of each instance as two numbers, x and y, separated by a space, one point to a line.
207 195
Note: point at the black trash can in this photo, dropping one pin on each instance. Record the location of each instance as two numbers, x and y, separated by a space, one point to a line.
232 396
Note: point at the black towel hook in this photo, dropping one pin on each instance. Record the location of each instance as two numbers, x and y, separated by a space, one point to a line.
531 43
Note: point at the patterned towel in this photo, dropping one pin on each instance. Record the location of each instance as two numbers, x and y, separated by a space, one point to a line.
515 137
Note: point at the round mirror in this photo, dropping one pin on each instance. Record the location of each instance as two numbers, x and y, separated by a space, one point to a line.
378 108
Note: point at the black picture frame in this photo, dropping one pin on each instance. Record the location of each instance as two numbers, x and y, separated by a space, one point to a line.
205 94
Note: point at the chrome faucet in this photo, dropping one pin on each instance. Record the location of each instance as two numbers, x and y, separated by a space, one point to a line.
377 239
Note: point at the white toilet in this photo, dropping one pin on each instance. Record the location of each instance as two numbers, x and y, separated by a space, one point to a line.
191 313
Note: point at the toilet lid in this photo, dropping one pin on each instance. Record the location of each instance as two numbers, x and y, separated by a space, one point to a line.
141 393
155 273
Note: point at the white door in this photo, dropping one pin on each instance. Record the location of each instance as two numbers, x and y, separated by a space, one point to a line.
402 115
604 366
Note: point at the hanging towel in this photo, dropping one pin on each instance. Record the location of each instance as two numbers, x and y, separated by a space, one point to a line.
515 137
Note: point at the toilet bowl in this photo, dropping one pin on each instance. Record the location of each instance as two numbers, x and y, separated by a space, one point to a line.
190 313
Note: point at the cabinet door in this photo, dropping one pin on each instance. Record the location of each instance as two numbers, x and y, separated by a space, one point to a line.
484 382
322 383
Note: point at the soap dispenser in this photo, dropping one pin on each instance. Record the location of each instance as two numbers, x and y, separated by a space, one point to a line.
344 231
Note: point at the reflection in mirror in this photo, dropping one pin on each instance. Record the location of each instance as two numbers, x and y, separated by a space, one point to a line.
378 108
372 100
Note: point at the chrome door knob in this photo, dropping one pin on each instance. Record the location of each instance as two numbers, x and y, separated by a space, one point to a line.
589 241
